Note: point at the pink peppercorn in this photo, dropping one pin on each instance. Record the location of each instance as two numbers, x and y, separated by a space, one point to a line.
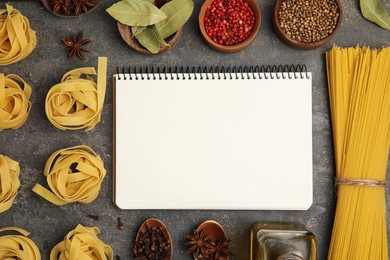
229 22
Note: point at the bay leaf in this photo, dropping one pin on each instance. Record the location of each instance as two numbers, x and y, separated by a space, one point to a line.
136 13
177 12
160 38
374 11
149 40
135 30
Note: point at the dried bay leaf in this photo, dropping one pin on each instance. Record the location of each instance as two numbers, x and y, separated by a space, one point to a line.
135 30
374 11
177 12
160 38
136 13
149 40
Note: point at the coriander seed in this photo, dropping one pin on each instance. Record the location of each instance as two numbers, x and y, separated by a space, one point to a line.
309 21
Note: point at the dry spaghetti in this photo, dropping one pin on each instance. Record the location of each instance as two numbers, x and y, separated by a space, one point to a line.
15 105
17 39
73 174
9 182
82 243
359 80
17 246
77 102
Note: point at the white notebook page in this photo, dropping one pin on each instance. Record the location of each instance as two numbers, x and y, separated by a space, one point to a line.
213 144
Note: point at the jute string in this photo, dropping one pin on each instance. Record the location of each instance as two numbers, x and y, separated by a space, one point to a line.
360 182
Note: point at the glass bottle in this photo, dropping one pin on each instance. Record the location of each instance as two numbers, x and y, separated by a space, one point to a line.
282 241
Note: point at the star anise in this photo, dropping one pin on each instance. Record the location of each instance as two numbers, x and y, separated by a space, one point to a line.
76 45
199 243
82 6
61 6
219 249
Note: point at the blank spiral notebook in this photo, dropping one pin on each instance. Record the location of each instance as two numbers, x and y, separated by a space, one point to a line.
213 138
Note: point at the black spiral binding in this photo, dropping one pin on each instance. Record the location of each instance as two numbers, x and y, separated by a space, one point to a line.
219 72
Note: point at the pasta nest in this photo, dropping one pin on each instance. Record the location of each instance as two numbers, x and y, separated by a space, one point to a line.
82 243
77 102
15 105
73 174
17 39
9 182
17 246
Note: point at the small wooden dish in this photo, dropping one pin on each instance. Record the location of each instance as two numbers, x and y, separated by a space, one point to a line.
234 48
214 231
127 36
46 4
153 222
133 43
297 44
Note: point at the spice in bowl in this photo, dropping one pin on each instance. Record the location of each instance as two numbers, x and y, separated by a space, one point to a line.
229 22
153 26
309 21
71 7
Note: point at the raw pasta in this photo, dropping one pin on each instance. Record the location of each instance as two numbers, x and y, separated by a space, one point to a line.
17 39
17 246
73 174
359 91
15 105
82 243
77 102
9 182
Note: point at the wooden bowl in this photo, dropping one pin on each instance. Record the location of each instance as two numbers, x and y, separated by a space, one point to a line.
295 43
127 36
234 48
152 222
214 231
46 4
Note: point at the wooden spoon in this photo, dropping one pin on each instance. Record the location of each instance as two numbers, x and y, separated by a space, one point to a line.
148 225
214 231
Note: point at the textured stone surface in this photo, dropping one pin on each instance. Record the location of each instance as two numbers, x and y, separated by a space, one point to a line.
33 143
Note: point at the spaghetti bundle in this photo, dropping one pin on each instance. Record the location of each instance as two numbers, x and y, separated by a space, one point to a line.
359 91
73 174
82 243
77 102
15 105
17 39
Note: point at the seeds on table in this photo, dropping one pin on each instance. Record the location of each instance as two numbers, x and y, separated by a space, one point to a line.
308 20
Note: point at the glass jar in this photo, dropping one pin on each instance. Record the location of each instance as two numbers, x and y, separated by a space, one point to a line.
281 241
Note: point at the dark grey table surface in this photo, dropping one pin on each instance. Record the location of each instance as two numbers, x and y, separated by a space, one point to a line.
33 143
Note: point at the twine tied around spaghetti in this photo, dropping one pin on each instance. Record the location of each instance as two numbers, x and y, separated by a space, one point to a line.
360 182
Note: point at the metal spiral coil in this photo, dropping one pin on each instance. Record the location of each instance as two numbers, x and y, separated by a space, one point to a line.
213 73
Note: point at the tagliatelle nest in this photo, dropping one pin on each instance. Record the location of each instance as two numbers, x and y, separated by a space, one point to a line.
73 174
77 102
17 39
9 182
15 105
82 243
17 246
